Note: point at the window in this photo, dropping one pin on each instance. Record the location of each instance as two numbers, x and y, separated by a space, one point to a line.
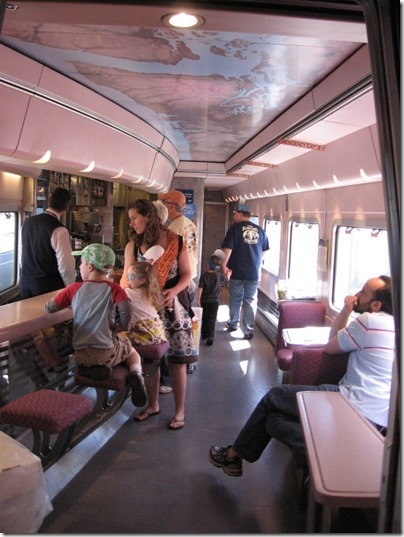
359 254
272 230
8 249
303 254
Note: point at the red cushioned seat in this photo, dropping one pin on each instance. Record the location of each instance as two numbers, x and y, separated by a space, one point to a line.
155 351
117 380
46 410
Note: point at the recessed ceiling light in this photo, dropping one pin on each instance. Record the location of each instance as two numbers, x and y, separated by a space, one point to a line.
183 20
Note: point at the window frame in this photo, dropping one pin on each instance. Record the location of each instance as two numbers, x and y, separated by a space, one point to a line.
273 250
313 288
365 274
10 290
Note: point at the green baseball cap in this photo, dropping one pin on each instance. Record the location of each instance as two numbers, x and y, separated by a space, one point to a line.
99 255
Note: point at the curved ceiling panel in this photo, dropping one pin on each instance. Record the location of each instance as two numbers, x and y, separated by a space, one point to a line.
349 160
46 113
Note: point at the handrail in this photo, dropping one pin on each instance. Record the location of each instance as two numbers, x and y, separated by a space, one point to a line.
22 318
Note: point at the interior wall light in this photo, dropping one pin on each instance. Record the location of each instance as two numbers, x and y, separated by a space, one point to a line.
44 159
183 20
89 168
363 174
118 175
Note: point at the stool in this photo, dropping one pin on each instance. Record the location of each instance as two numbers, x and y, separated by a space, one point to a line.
117 383
47 412
151 356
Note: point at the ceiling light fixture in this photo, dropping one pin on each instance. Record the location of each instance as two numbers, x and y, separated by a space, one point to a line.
183 20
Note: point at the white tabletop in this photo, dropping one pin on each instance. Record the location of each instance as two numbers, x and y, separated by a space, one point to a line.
309 335
345 452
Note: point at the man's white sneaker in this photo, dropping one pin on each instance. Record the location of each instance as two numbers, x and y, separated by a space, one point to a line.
165 389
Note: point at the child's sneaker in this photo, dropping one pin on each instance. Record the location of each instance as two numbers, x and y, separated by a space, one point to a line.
232 467
139 395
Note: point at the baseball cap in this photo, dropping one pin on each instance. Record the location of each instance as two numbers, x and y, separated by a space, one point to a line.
154 252
175 196
99 255
242 208
218 253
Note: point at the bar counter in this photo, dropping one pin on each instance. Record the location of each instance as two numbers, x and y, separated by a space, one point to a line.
25 317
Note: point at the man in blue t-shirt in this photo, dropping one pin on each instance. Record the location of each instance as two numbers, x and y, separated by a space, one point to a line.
243 246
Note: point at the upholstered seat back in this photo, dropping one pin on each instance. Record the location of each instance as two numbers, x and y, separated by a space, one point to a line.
311 366
296 314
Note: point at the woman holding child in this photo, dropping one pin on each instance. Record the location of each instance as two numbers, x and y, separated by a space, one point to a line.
174 274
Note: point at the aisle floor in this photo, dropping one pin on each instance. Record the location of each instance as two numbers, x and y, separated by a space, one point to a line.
148 479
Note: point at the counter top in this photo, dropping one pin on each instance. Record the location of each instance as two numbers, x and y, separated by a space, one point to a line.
25 317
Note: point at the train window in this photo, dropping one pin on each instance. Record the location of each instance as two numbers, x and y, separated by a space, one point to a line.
272 229
303 253
8 249
360 253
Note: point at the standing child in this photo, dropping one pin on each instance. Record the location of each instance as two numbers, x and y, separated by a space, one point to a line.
208 295
146 327
95 301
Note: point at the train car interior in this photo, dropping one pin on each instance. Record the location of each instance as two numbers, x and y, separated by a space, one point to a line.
291 107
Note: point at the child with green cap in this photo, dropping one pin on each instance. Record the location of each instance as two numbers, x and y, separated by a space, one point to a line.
95 302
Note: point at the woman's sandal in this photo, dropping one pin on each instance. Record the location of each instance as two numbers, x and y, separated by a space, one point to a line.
175 425
144 415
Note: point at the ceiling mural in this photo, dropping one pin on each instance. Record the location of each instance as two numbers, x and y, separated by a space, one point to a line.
209 92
